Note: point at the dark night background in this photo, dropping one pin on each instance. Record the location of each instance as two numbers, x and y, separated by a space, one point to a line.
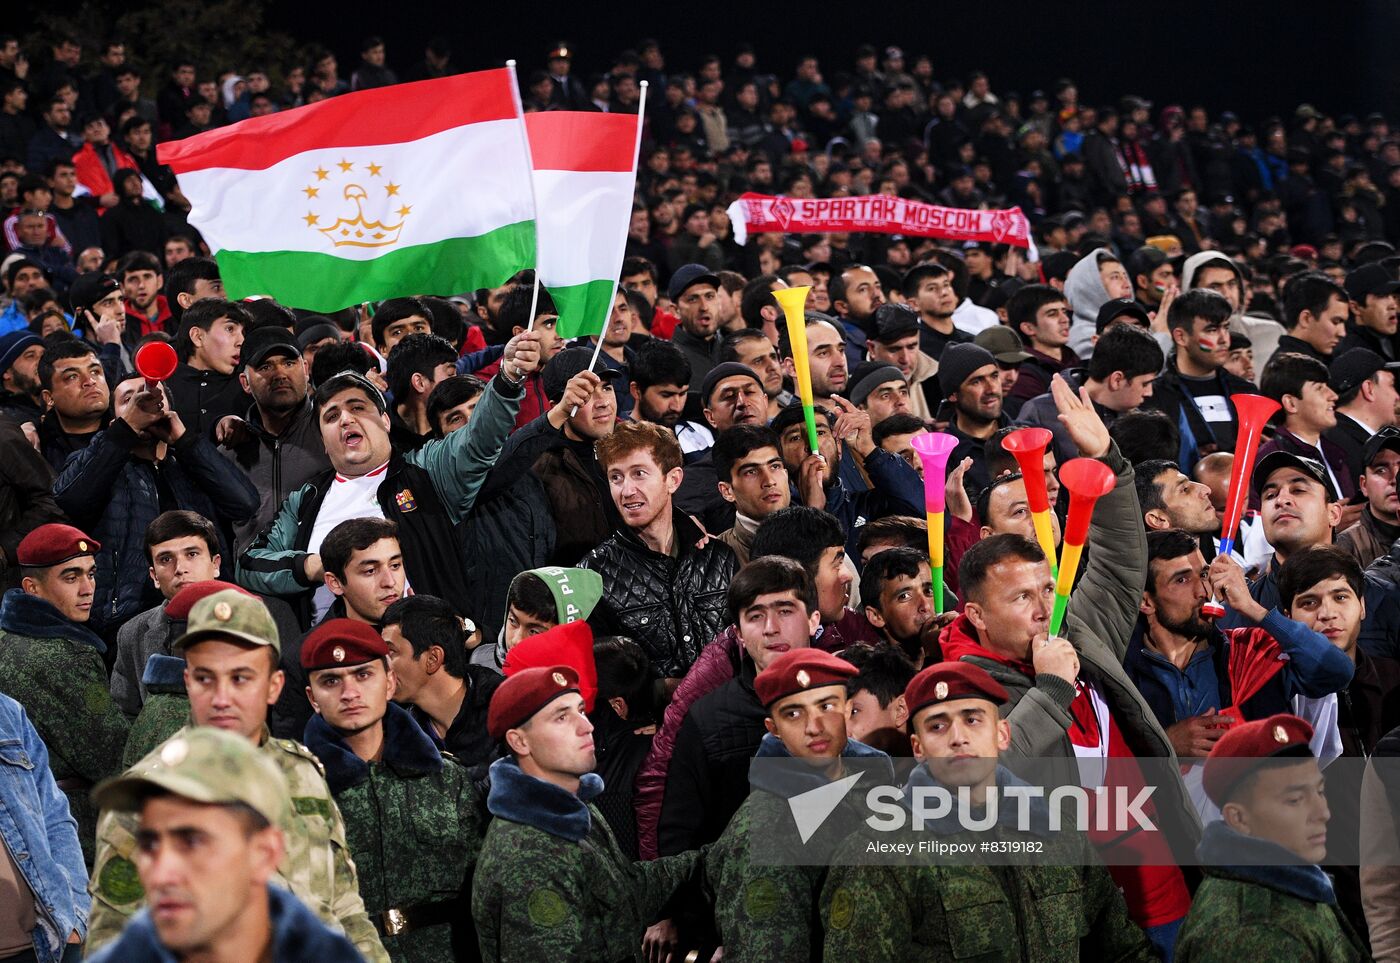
1257 58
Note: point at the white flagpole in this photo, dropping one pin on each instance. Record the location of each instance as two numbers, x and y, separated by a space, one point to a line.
612 299
525 136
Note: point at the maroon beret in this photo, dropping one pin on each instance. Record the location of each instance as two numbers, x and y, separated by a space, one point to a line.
525 693
336 643
1238 753
53 544
799 670
178 608
946 681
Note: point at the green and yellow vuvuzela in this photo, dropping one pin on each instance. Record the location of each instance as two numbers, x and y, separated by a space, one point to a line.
413 189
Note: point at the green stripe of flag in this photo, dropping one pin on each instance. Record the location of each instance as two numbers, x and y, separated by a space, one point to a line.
323 282
583 308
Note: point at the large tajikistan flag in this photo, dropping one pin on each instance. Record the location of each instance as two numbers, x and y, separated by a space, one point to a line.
585 174
413 189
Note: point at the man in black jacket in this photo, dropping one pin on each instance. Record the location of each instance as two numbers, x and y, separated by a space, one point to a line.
773 605
427 492
277 442
1195 389
204 387
144 462
664 579
449 698
1366 402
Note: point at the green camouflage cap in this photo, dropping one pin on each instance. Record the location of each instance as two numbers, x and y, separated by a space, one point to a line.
206 765
231 613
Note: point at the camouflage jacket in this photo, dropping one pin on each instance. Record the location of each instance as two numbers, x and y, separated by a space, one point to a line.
414 824
765 902
53 667
165 711
551 882
1257 903
317 867
1057 905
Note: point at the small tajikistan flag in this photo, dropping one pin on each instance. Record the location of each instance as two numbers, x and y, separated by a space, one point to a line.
585 173
420 188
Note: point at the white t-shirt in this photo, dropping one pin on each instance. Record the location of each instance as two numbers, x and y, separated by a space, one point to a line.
973 318
348 498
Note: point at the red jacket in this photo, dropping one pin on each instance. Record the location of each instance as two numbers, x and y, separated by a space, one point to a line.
92 172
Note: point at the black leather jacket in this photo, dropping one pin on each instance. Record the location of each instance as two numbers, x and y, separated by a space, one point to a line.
670 606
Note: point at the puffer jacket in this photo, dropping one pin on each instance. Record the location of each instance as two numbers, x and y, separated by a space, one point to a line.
114 496
669 605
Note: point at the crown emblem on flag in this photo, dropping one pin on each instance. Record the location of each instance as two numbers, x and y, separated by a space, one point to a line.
378 228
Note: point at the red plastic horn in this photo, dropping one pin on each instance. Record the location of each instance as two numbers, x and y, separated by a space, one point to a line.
1027 446
1253 412
155 361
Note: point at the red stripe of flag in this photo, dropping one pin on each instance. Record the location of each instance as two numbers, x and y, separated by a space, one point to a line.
385 115
576 140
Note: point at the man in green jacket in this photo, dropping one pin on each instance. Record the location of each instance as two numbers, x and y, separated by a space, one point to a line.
412 817
766 906
1264 896
551 882
51 663
427 493
1059 904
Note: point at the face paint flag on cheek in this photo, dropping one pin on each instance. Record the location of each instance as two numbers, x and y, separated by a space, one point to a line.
1088 481
793 302
1027 446
933 450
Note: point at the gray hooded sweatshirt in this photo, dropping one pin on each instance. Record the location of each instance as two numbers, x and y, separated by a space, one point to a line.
1263 333
1086 294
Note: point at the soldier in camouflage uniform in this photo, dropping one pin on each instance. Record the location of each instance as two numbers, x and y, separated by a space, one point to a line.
1062 905
412 816
1264 896
231 655
51 663
551 882
766 911
218 784
166 708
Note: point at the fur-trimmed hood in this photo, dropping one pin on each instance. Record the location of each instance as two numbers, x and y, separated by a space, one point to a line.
543 805
408 750
29 615
1233 855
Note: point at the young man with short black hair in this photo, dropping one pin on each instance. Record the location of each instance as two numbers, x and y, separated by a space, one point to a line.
74 390
753 349
189 280
141 278
205 387
929 290
452 402
748 460
1041 316
417 364
447 696
1371 292
1315 311
878 712
1119 378
1195 390
896 590
1299 383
